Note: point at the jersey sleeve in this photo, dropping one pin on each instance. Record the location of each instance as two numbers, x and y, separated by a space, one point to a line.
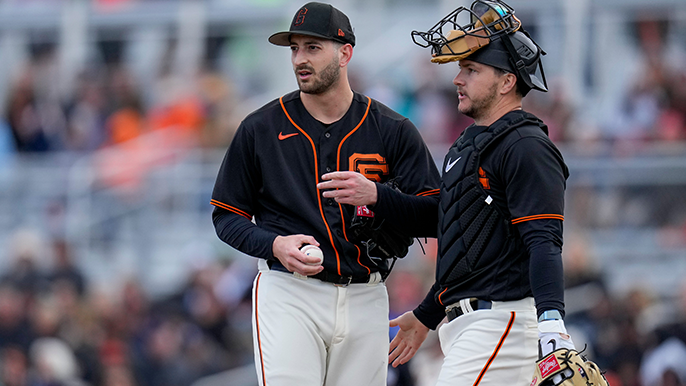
233 196
238 178
240 233
412 164
535 174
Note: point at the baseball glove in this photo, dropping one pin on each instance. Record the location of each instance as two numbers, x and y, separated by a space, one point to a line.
381 238
567 368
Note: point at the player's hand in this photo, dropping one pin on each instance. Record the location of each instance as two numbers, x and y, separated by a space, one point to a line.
406 342
553 335
287 250
348 188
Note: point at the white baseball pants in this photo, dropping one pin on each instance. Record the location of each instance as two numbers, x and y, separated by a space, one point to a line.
310 333
491 347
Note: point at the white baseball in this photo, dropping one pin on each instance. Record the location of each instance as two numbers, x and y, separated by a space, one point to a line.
311 250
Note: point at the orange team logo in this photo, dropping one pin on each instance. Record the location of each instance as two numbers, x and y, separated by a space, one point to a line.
372 166
301 17
340 32
482 178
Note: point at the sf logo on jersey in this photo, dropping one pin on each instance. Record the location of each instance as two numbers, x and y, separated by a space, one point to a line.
372 166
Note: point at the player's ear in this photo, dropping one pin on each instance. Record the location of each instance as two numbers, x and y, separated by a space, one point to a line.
345 54
509 83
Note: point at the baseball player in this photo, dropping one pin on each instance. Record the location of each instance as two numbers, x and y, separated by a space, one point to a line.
316 324
499 278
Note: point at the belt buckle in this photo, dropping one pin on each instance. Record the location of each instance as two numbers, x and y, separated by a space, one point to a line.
453 311
350 280
451 307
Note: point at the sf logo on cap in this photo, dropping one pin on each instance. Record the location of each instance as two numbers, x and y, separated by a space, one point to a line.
301 17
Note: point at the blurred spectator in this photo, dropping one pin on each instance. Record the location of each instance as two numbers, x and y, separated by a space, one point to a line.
654 107
23 118
86 113
178 111
64 270
55 363
665 365
27 252
15 369
223 109
556 110
15 331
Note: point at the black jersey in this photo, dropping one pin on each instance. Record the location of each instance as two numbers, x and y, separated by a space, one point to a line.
278 156
523 175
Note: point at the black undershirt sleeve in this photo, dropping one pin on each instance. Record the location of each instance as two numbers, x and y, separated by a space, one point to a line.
242 234
545 267
416 215
536 174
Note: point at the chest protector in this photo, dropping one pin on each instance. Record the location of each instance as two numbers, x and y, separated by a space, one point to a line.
468 218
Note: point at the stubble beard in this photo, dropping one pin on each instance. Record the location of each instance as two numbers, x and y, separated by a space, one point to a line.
322 82
479 107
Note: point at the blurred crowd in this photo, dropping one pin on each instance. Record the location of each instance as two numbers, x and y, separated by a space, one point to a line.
58 328
106 106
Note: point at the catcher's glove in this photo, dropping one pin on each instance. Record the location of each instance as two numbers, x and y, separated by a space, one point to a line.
567 368
381 238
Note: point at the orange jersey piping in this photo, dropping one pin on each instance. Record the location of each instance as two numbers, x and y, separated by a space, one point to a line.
497 348
230 209
257 327
338 167
432 192
316 177
539 217
439 296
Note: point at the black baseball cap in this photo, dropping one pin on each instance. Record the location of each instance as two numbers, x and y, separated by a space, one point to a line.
319 20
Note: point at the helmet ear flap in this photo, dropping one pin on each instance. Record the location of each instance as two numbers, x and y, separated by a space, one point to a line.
525 56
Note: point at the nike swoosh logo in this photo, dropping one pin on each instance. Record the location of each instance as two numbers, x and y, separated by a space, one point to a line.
282 136
450 165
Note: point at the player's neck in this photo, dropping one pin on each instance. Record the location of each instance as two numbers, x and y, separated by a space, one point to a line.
498 110
331 105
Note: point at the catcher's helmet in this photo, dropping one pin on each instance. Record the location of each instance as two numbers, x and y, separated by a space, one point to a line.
487 33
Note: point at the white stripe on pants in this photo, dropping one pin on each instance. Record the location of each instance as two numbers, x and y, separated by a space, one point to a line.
311 333
491 347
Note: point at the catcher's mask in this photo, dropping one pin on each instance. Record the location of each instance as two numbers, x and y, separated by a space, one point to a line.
487 33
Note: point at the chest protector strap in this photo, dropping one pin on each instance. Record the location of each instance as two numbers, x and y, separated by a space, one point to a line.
469 219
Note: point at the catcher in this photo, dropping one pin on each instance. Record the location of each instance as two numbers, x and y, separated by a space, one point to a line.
499 276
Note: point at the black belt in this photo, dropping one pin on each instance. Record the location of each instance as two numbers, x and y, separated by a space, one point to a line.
340 280
326 276
455 310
